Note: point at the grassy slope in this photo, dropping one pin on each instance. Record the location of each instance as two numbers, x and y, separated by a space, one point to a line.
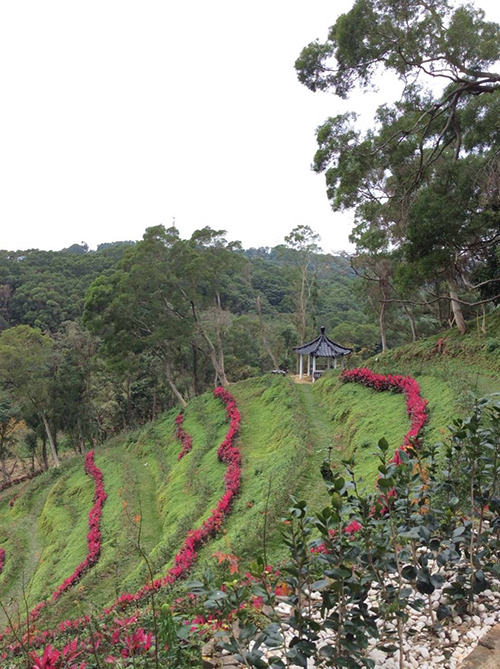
287 430
468 363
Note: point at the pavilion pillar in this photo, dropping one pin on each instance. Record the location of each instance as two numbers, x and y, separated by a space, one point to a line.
314 367
308 364
335 363
300 365
328 363
342 361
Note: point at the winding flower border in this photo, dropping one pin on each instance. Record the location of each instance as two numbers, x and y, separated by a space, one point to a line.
93 540
94 533
228 453
416 406
185 558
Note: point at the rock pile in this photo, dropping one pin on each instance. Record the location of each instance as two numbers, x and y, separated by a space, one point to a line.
427 646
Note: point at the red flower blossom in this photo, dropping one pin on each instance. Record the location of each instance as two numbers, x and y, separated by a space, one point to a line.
353 527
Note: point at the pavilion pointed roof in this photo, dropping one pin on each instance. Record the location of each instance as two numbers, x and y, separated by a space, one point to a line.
323 347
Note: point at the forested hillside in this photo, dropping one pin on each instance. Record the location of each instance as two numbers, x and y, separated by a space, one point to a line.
116 336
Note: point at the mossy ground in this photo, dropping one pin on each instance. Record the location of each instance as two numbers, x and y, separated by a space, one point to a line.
287 430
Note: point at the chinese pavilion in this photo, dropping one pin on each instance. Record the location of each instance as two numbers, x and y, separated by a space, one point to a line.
321 347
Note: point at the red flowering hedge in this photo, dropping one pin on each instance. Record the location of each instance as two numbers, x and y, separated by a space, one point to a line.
185 558
416 406
94 533
185 439
187 555
93 537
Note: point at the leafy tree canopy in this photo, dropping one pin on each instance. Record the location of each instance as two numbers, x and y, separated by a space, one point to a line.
425 177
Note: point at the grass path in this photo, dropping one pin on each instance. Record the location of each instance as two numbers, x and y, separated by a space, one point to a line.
321 430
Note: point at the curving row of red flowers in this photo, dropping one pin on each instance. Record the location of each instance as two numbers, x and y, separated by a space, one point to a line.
93 539
2 559
185 558
181 434
416 406
94 533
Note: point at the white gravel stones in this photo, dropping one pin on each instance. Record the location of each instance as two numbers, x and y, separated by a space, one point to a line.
426 648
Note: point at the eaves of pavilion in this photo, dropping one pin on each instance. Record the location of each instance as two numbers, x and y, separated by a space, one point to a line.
321 347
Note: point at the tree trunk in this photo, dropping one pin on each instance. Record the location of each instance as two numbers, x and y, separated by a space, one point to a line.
44 453
196 382
220 348
219 370
382 314
481 326
216 358
410 315
457 307
381 320
128 388
263 335
53 451
175 390
54 435
441 316
153 413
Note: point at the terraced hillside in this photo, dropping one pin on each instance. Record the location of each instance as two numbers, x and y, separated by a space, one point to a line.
153 498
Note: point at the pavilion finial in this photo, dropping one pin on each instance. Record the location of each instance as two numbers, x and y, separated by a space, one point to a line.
322 329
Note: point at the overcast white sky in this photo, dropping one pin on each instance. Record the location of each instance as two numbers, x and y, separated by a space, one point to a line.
119 115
